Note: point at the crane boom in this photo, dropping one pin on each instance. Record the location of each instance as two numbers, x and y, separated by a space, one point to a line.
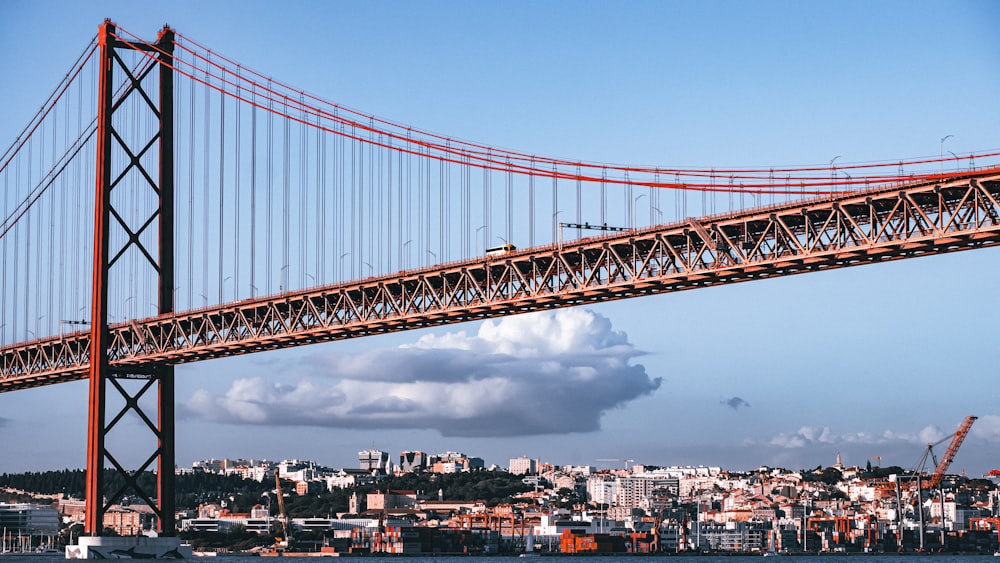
949 454
281 509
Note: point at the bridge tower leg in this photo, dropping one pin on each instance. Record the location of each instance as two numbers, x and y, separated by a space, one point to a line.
148 234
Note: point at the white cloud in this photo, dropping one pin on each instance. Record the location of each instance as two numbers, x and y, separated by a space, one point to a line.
805 436
540 373
987 428
812 435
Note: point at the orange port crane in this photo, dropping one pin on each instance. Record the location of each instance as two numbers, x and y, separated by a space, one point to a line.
949 454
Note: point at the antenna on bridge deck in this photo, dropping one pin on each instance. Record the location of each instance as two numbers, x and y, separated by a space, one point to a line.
587 227
65 322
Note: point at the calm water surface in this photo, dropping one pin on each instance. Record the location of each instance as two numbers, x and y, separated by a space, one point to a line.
564 559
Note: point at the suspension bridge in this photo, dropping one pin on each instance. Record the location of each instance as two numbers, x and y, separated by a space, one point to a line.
234 213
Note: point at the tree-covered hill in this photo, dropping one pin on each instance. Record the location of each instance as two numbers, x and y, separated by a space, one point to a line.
240 495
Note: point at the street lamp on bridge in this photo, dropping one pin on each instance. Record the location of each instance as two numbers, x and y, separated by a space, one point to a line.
634 202
941 153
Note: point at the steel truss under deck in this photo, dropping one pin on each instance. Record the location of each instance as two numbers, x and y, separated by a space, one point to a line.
846 230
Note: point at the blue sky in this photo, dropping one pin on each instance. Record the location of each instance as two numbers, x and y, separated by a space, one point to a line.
869 361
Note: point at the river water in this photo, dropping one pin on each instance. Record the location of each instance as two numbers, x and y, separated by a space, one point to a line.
935 558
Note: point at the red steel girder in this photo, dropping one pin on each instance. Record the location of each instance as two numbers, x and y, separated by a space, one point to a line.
860 228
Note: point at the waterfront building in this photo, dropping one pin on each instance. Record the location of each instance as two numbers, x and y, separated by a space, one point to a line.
23 518
214 518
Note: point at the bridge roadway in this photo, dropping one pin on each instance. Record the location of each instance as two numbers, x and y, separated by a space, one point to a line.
881 224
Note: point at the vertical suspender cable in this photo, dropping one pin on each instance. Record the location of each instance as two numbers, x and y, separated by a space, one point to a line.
206 200
466 211
222 190
3 261
269 202
531 206
446 223
382 186
341 212
33 264
712 182
286 194
253 190
469 190
303 195
555 204
75 311
704 206
357 199
371 187
321 213
408 223
237 164
59 228
604 196
487 204
402 209
15 303
510 203
191 190
385 186
579 201
27 248
427 185
371 199
442 217
341 177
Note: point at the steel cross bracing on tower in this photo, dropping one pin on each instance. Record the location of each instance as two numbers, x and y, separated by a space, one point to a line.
859 228
121 167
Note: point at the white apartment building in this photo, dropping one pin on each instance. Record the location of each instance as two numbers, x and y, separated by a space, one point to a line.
602 489
523 466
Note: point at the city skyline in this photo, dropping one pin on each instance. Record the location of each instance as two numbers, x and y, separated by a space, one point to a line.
872 361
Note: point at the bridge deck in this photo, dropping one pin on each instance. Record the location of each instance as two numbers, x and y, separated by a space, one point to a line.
850 229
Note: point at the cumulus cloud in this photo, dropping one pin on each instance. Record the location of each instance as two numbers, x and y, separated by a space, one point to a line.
805 436
813 435
987 428
735 403
540 373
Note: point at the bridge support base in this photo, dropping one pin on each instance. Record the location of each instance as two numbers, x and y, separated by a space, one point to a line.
134 547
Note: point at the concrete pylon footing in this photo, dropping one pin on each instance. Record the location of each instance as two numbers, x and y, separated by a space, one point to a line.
136 547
